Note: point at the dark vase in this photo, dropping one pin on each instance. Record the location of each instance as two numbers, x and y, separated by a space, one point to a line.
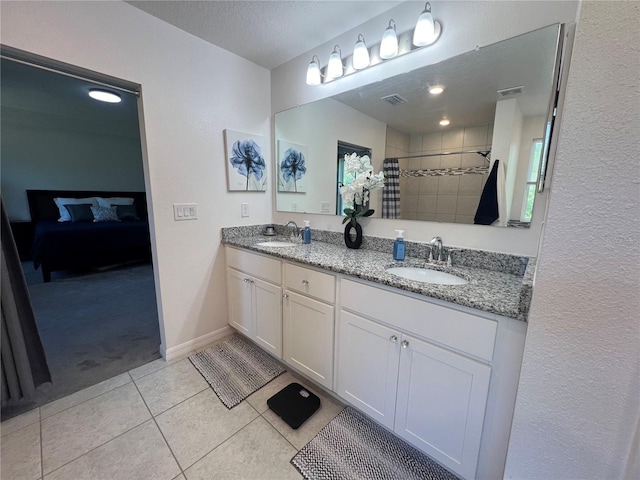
350 240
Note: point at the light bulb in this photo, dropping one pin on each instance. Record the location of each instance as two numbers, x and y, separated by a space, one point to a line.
313 72
334 68
425 28
436 90
444 122
104 96
389 44
360 54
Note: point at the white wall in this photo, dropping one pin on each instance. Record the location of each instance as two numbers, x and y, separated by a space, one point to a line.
465 25
578 402
53 152
319 126
191 92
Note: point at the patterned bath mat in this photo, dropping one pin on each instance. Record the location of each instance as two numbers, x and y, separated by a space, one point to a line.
236 368
354 447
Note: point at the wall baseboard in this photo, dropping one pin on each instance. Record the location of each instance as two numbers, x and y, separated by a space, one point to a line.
187 347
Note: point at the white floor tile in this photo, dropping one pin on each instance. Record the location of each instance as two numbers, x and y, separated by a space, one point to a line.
156 365
76 398
139 454
258 400
256 452
20 453
201 423
79 429
328 410
20 421
171 385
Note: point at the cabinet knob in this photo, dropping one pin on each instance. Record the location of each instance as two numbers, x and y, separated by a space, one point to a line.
285 295
305 283
404 344
393 339
246 280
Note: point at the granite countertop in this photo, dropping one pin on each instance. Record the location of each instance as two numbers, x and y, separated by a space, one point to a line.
503 293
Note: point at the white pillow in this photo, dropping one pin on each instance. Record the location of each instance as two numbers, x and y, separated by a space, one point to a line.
107 202
64 213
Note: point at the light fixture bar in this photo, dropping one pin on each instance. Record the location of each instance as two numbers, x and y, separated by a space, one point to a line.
427 31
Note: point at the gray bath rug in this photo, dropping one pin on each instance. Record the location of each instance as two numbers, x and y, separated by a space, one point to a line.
354 447
235 369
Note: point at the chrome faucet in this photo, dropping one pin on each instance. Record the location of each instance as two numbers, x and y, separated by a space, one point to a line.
436 249
296 230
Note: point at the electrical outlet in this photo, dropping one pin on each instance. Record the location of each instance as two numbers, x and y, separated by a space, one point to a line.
244 209
185 211
294 206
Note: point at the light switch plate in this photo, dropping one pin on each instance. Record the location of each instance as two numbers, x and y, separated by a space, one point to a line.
185 211
244 209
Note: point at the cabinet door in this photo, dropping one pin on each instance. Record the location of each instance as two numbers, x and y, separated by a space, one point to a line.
308 337
369 354
240 301
441 404
268 312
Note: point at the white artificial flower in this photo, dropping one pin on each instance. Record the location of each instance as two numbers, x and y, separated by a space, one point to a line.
364 180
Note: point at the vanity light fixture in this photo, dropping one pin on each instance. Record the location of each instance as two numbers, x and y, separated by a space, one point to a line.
104 95
335 68
427 29
436 90
313 71
444 122
426 33
389 44
360 54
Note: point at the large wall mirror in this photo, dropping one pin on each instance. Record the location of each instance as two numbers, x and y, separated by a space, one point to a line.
497 100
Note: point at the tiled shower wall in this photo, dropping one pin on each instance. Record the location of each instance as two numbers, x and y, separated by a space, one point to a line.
448 198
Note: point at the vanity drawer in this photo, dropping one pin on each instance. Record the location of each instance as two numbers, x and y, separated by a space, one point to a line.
257 265
446 326
310 282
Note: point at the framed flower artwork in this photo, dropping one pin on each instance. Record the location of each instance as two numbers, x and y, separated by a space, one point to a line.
292 167
245 159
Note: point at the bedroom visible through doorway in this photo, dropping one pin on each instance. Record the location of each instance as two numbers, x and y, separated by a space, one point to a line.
74 188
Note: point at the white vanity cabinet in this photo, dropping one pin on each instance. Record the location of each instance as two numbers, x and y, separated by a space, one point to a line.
308 322
254 298
418 368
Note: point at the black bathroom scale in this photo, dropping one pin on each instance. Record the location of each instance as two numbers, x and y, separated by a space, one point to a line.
294 404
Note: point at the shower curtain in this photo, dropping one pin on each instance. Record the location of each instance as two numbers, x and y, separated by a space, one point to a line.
391 192
24 365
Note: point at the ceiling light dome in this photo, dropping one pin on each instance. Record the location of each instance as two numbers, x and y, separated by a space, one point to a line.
104 95
436 90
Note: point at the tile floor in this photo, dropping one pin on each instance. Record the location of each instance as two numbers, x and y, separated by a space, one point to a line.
160 421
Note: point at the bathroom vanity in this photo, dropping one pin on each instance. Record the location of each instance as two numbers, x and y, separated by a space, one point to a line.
436 364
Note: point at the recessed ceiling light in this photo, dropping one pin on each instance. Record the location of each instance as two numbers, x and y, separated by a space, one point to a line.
104 96
436 90
444 122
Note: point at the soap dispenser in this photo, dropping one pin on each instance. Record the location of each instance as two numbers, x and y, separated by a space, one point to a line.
306 232
399 246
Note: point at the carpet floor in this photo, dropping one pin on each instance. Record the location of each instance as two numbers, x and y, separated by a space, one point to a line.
93 327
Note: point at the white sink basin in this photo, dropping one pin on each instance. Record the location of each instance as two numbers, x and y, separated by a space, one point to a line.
426 275
276 243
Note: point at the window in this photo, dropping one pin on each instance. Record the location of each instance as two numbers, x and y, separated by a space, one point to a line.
532 180
346 149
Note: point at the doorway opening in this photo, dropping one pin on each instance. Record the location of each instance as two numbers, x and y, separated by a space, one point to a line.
75 191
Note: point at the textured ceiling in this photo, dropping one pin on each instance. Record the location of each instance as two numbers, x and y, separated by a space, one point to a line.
268 33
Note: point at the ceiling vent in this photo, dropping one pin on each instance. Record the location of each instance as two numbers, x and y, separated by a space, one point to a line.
511 91
395 99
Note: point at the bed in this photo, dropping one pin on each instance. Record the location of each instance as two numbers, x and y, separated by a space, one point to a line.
86 244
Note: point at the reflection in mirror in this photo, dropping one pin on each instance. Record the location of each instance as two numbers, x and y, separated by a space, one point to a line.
496 100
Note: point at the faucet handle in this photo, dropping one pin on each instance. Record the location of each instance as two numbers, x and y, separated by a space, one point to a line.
449 253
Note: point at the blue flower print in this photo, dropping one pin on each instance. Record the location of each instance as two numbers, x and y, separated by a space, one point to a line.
247 159
292 166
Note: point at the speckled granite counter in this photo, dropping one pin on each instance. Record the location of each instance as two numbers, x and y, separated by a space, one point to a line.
497 289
